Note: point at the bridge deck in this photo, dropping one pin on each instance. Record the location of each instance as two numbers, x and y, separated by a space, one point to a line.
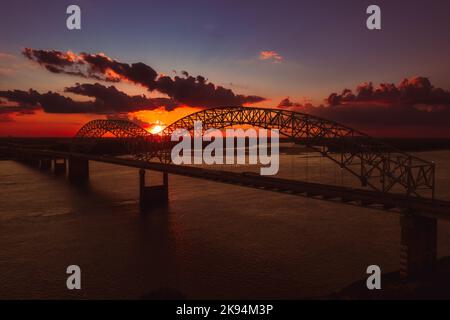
367 198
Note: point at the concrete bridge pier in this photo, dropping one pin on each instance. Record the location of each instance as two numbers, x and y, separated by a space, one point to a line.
418 253
59 165
153 196
78 170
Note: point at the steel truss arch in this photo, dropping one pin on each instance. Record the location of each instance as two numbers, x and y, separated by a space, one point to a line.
377 165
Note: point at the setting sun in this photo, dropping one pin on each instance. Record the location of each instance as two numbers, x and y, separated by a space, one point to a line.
157 128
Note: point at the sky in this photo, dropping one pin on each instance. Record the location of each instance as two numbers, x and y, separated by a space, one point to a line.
278 54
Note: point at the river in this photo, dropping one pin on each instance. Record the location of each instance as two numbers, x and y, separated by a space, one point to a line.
213 240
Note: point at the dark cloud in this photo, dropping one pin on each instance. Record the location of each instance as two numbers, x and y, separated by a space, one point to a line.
188 90
126 116
51 57
412 103
102 67
418 90
7 109
56 61
198 92
50 102
30 97
17 102
106 100
288 104
110 99
362 115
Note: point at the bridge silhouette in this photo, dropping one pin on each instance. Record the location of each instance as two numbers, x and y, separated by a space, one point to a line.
376 164
390 179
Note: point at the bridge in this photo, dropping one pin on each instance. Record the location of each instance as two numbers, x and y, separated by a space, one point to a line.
391 180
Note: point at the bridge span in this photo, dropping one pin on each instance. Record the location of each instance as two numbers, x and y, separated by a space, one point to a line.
395 181
78 170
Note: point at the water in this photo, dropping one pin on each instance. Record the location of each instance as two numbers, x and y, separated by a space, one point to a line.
213 240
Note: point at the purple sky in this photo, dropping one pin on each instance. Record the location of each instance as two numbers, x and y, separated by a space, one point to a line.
303 50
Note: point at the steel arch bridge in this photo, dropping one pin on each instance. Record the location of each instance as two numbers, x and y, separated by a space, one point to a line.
138 141
377 165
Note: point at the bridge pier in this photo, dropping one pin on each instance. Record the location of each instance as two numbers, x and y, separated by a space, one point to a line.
418 253
59 165
153 196
78 170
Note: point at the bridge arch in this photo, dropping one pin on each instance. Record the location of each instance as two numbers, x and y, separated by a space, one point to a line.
376 164
119 128
135 139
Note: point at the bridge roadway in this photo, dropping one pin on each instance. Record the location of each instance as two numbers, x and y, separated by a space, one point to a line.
431 208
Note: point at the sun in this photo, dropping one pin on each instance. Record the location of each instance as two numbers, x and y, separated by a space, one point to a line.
157 128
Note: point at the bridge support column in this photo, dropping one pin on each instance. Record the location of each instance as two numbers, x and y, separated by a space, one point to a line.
153 196
418 245
45 164
59 165
78 170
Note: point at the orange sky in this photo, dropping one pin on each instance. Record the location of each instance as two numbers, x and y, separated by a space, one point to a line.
43 124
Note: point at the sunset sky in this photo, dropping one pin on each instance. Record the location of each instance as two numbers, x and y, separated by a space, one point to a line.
281 54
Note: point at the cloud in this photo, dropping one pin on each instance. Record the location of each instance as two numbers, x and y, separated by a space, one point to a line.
270 56
412 103
106 100
20 110
187 90
288 104
125 116
414 91
109 99
6 111
17 102
50 102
